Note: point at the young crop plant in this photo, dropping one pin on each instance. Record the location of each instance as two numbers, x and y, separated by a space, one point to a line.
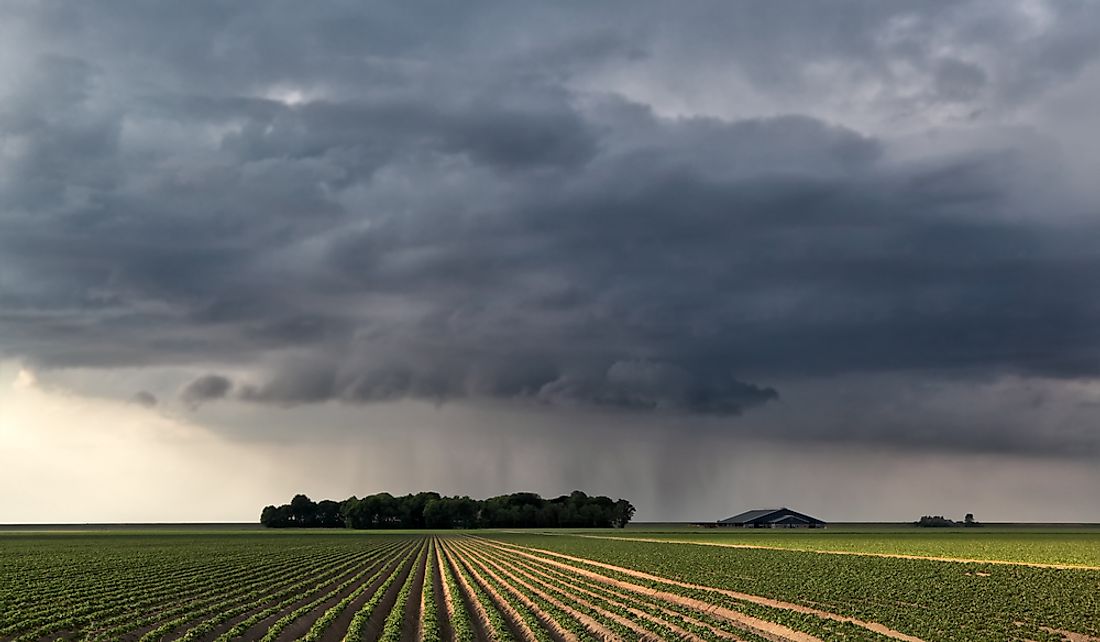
609 619
677 624
357 627
322 623
391 632
286 620
557 613
460 618
495 622
698 622
256 593
519 606
295 592
429 614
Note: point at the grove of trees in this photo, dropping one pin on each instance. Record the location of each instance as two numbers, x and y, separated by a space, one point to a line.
432 510
939 521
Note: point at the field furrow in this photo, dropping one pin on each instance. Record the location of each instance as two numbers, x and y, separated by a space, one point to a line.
766 629
702 624
601 622
238 621
614 603
458 613
380 613
642 617
369 616
491 586
488 619
412 612
532 619
578 564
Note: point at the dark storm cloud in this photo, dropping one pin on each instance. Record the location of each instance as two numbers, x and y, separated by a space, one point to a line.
205 388
630 385
370 205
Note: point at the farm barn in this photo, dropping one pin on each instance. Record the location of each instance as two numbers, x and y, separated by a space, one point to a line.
772 518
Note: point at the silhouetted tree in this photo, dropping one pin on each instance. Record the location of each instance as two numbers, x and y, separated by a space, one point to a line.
303 511
328 514
432 510
622 513
935 521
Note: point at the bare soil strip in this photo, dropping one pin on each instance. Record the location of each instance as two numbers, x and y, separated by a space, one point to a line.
579 583
580 586
156 599
902 556
443 602
337 576
590 623
200 598
410 625
259 630
524 579
556 630
429 564
515 621
336 630
480 619
750 623
756 599
300 626
373 628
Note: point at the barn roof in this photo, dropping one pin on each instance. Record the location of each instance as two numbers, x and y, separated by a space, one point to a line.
786 516
751 515
768 515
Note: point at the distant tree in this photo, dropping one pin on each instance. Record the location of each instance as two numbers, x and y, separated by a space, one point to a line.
328 514
439 513
465 512
622 513
267 516
935 521
276 516
303 511
969 521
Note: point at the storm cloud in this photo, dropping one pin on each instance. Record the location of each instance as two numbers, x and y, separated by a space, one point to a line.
557 205
205 388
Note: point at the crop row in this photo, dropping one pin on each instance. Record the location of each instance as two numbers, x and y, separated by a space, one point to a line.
524 588
921 599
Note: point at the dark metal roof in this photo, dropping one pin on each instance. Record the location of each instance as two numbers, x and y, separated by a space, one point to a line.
768 515
750 516
784 517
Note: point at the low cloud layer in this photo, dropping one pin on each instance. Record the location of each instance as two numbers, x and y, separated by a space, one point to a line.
205 388
331 204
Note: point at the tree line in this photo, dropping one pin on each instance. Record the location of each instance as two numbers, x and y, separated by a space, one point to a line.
939 521
432 510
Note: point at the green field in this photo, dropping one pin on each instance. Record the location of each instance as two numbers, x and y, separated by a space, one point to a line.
1040 544
219 585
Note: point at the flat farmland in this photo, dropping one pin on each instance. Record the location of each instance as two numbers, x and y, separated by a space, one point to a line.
1058 546
347 586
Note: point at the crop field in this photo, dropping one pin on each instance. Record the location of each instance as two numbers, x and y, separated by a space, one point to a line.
346 586
1037 545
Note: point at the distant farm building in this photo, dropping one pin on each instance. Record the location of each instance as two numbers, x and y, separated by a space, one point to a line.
772 518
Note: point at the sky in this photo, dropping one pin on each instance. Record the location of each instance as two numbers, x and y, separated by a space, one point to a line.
708 256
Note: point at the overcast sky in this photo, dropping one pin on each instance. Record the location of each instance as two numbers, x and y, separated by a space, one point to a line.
708 256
